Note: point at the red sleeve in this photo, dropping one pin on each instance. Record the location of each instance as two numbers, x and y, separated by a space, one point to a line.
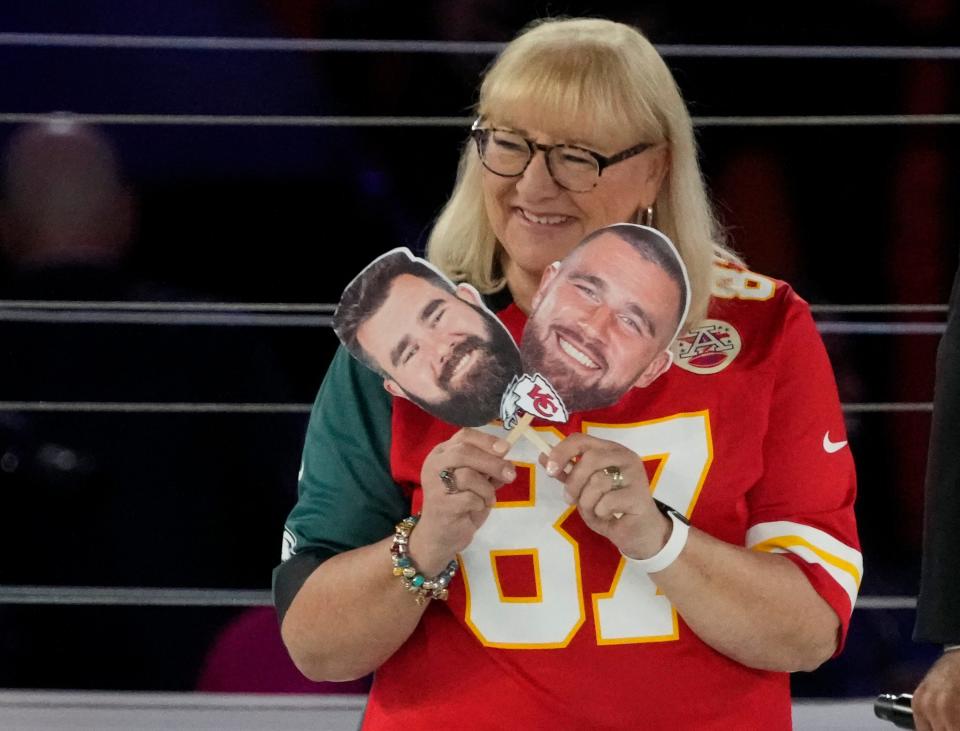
803 506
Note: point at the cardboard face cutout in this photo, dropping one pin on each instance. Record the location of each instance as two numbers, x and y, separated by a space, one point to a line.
602 323
604 318
434 342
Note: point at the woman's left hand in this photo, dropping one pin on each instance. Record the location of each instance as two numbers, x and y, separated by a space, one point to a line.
620 508
755 607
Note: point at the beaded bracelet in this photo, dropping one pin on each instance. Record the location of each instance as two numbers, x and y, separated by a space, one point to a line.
412 580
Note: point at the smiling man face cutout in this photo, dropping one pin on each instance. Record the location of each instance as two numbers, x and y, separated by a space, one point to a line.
432 341
604 317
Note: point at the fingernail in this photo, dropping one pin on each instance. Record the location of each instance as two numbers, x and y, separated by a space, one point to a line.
552 468
509 474
501 447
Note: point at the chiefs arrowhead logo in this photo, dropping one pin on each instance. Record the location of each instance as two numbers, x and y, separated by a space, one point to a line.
708 348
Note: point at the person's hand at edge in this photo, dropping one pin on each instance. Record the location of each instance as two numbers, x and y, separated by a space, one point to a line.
936 702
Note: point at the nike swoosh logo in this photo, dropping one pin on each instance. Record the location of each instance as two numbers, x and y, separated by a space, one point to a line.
831 447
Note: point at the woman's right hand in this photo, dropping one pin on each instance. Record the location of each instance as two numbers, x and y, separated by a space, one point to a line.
449 520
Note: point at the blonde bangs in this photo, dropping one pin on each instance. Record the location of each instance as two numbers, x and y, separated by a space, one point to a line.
572 92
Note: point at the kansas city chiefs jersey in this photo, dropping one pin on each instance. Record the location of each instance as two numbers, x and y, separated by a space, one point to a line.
546 625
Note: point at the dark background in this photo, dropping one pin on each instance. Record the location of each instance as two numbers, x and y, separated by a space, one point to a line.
847 214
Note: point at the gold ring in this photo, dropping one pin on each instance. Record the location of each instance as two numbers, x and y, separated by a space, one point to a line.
615 475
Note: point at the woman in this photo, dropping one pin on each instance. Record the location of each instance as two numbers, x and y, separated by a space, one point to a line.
563 615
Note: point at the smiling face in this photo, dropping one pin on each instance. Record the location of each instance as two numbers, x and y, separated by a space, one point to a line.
601 323
538 222
440 350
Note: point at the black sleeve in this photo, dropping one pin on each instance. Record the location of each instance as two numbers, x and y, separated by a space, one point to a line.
938 609
289 576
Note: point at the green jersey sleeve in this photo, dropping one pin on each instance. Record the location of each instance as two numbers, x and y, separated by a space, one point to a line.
347 497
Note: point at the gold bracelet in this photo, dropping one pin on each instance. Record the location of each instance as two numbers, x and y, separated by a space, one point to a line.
413 581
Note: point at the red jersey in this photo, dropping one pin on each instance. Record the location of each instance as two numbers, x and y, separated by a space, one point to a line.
548 627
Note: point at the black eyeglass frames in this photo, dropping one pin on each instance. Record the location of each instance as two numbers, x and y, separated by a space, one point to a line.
507 153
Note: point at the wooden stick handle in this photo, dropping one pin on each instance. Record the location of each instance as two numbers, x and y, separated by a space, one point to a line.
533 436
523 429
520 428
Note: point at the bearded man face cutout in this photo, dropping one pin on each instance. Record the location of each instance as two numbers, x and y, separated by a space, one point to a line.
433 342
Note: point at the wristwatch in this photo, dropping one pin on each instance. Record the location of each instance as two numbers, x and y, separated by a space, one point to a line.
669 512
672 548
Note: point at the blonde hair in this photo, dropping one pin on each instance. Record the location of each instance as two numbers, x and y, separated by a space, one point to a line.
585 79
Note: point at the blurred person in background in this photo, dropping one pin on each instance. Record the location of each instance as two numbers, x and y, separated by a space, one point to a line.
67 215
66 223
135 498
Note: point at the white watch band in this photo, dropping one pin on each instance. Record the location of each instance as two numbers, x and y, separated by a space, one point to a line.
671 549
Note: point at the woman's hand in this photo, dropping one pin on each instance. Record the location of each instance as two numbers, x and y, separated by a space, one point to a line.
453 509
620 508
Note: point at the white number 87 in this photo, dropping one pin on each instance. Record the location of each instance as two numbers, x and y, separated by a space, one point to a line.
631 610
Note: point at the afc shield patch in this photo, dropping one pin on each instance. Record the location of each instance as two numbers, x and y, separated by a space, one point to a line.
709 348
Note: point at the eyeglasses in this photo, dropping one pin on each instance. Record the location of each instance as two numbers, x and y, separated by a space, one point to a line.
506 153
